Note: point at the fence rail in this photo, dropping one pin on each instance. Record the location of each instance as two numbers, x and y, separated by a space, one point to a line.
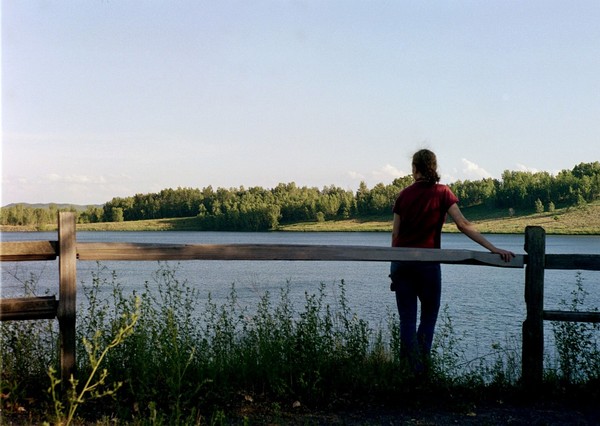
28 251
48 250
69 252
29 308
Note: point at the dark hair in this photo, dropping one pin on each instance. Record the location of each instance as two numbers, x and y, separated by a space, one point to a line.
425 162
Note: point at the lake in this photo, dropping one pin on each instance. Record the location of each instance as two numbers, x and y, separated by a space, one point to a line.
486 304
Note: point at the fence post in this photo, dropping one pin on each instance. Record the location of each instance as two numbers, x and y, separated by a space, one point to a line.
533 326
67 270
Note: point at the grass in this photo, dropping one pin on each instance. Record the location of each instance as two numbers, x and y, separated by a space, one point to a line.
187 362
583 220
372 224
566 221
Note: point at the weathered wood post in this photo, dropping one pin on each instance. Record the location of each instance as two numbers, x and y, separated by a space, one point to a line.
67 270
533 326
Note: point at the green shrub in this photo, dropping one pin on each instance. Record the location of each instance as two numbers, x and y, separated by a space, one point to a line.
27 349
187 362
577 343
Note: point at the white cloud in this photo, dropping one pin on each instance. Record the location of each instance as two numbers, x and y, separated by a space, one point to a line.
523 168
387 173
473 171
356 176
76 179
73 188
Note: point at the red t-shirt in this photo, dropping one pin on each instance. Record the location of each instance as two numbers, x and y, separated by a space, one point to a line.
422 209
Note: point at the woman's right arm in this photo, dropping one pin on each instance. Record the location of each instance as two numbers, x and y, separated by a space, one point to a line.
470 231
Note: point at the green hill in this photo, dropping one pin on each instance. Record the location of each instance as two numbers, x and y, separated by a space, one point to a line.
582 220
568 221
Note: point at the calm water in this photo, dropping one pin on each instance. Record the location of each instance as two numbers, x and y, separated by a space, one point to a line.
485 304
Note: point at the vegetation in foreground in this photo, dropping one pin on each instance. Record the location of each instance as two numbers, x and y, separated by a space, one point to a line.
166 360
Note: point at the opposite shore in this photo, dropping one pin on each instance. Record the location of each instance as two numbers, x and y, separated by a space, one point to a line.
567 221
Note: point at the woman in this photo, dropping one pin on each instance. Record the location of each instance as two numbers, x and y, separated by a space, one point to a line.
419 213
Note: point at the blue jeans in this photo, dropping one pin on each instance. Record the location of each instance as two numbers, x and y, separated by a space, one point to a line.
412 282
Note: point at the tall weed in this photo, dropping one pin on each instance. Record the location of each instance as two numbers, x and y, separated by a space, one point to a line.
154 360
577 343
188 361
27 349
96 385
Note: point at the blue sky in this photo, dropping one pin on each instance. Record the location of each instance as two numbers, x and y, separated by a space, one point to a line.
105 98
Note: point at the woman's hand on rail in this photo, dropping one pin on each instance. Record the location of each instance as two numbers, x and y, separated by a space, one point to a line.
506 255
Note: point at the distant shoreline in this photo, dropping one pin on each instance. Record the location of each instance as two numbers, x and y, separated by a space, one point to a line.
568 221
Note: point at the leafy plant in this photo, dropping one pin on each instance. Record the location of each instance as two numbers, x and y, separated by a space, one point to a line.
95 386
448 352
183 358
19 342
576 342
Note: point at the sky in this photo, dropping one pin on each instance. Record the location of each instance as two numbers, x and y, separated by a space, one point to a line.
111 98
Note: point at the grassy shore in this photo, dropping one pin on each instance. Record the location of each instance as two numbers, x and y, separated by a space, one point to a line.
566 221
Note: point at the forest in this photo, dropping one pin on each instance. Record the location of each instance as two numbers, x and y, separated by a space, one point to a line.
260 209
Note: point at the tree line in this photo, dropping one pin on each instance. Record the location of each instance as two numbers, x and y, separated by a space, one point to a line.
260 209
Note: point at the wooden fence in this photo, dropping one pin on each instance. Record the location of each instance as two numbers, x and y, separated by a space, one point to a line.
69 252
